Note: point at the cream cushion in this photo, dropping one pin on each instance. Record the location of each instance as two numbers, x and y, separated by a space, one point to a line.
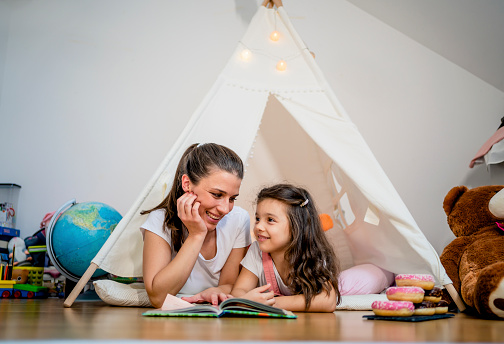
120 294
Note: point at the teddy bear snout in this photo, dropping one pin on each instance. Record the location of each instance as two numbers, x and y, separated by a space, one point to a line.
496 204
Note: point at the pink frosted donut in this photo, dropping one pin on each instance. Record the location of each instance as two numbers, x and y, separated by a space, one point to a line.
393 308
424 281
413 294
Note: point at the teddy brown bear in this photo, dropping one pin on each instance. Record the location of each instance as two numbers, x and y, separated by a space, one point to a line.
474 260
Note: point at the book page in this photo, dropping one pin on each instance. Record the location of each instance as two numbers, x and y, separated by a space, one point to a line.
172 302
249 305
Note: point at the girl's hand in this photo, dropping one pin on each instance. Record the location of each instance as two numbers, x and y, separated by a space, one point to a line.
188 212
261 295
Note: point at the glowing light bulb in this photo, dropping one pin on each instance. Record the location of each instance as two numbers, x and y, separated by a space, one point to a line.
281 65
275 36
245 54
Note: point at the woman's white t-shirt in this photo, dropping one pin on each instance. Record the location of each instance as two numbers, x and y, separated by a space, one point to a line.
253 263
233 231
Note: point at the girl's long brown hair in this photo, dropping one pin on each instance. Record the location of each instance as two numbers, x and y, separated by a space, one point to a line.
197 162
314 267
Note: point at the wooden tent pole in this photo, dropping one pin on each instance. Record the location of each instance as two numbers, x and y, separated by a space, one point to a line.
456 297
80 285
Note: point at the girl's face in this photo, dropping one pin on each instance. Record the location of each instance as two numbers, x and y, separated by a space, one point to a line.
272 230
216 195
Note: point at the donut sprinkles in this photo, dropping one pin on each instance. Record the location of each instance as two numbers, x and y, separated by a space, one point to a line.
413 294
424 281
393 308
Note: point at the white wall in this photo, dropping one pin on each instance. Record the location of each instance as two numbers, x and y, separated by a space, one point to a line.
94 93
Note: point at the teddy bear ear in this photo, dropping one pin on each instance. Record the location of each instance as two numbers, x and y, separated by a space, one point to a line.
452 197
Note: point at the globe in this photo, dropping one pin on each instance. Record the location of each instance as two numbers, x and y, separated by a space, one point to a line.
75 236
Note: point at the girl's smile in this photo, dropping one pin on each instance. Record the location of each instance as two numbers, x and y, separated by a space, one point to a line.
262 238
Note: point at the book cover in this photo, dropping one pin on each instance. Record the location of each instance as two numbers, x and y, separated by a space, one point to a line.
234 307
11 232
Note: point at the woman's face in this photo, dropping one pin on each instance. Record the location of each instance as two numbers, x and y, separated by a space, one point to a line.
216 194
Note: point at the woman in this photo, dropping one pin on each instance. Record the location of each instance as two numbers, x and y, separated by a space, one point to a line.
195 238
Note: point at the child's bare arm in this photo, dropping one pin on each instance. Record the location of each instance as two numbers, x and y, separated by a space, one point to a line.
245 287
245 282
320 303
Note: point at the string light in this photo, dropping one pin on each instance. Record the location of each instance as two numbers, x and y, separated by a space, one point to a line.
245 54
275 36
281 65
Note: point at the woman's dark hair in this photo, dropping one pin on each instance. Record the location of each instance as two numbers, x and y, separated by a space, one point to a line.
314 266
197 162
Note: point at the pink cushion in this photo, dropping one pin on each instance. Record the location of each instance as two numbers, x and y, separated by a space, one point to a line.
364 279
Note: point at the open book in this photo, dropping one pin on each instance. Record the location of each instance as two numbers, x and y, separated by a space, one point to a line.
231 308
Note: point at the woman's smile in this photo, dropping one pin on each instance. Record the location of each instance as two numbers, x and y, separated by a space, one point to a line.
213 217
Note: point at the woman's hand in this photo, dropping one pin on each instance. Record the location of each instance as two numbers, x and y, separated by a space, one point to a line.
211 295
188 212
261 295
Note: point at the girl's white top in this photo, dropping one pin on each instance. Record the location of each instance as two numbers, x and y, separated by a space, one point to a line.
253 263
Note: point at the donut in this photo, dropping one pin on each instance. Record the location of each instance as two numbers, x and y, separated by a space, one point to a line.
433 295
441 307
425 308
424 281
413 294
393 308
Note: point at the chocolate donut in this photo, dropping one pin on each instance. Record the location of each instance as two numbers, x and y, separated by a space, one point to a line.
433 295
442 307
425 308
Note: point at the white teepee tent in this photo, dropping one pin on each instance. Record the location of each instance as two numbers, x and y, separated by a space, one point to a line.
288 126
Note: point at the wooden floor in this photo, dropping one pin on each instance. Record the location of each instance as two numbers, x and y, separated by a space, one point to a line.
48 319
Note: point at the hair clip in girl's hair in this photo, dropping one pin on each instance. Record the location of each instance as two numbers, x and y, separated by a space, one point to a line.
200 144
304 203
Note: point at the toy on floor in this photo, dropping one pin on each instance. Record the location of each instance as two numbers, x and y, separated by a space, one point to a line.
474 260
11 289
6 288
18 250
39 237
21 282
20 275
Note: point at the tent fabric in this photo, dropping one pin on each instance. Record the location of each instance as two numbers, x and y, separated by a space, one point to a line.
289 126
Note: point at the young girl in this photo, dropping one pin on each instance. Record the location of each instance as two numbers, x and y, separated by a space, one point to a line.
195 238
288 231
